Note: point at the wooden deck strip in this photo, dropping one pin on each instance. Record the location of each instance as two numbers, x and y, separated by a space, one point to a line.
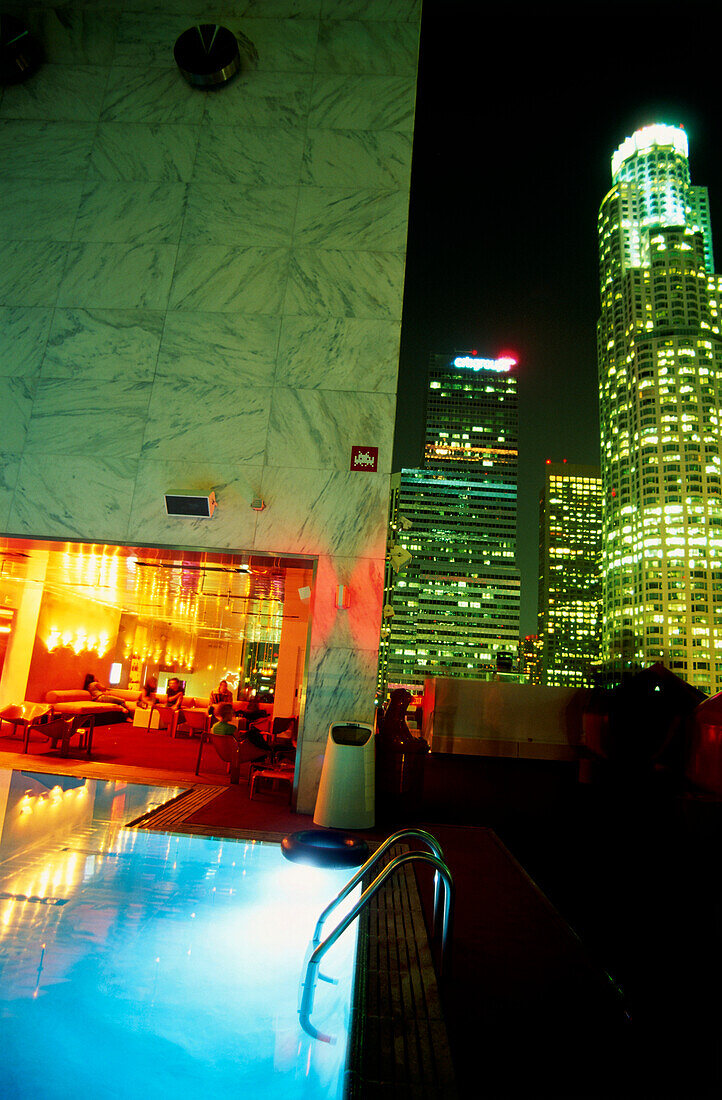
399 1042
174 813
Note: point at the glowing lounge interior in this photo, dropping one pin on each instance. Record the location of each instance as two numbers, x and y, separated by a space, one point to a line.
130 614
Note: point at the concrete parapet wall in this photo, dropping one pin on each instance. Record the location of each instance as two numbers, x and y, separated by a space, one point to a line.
494 718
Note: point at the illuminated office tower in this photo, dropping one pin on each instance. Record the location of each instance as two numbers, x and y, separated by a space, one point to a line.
570 544
530 659
452 609
660 363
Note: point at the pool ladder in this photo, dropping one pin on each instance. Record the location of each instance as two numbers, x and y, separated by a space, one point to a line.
319 948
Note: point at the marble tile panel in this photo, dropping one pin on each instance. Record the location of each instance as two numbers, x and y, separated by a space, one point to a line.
250 155
347 218
233 523
117 276
363 103
30 272
341 686
278 45
16 403
74 36
44 150
39 210
340 353
103 343
331 282
397 11
354 46
224 213
149 6
50 487
9 468
329 422
142 151
274 9
57 93
310 766
151 96
379 159
261 99
230 349
23 336
72 417
139 213
214 278
359 626
191 417
323 512
147 37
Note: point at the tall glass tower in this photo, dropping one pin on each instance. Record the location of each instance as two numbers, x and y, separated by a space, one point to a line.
452 605
660 365
570 539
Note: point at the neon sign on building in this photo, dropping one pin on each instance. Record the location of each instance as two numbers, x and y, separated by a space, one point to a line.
471 362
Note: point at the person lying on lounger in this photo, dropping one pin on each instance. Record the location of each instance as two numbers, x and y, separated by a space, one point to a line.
100 694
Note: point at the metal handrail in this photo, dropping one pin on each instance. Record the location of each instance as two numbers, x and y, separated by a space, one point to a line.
402 834
311 974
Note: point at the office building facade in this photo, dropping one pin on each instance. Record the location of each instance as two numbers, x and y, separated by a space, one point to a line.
570 544
452 608
530 659
660 363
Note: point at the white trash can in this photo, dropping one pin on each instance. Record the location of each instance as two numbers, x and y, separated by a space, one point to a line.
346 792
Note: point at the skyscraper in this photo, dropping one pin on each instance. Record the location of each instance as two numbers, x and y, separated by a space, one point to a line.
453 608
660 364
570 544
530 659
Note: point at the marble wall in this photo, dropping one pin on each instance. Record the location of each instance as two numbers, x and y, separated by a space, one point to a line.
202 290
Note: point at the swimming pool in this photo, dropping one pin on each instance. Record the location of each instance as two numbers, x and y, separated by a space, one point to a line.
140 964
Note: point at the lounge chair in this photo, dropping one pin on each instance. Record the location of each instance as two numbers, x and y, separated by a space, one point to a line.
232 752
61 731
20 715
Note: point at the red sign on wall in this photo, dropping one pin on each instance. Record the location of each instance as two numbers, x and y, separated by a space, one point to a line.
365 459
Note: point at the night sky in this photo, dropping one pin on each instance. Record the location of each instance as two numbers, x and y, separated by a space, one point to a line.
518 114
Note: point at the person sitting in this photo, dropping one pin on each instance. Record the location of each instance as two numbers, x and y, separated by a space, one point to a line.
222 694
174 693
100 694
243 750
149 694
252 711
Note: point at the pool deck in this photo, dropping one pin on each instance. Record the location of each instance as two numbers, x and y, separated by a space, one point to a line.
598 986
91 769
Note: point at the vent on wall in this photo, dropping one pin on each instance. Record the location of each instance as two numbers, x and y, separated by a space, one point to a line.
189 504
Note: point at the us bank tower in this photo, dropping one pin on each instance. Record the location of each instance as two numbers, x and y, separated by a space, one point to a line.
660 365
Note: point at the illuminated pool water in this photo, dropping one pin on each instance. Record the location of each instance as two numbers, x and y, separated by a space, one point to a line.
140 964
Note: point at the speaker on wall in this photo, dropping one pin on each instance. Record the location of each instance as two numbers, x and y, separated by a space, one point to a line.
190 504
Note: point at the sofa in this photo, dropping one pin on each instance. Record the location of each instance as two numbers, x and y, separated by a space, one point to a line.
195 708
74 702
